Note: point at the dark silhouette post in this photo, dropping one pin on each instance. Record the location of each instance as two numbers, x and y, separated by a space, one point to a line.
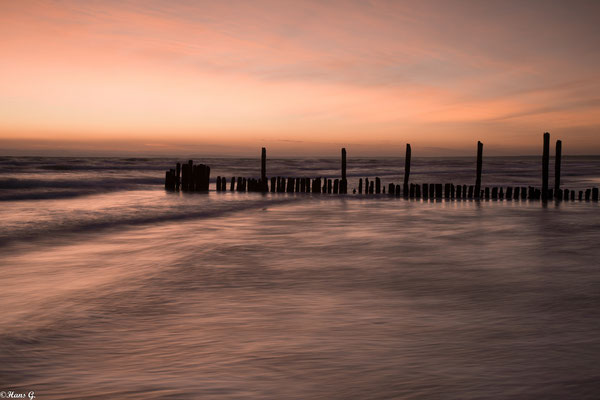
545 163
557 160
263 165
479 168
406 169
343 182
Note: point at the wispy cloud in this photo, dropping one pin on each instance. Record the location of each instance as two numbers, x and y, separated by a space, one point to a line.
430 71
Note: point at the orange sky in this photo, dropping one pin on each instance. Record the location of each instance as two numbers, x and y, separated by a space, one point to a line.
300 77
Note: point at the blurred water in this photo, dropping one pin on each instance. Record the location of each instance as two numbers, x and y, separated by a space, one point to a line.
132 292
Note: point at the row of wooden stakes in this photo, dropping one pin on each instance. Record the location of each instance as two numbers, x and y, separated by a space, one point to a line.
190 177
412 191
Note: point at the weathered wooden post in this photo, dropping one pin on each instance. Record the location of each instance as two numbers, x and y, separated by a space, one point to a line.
479 167
557 161
263 165
360 186
595 194
336 186
178 176
344 181
406 170
545 165
425 191
377 185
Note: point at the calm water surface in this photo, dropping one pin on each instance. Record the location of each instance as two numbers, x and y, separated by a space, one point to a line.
129 292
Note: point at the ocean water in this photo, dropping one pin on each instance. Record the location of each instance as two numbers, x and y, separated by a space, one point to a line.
113 288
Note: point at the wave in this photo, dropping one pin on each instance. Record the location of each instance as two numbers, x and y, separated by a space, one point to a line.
120 219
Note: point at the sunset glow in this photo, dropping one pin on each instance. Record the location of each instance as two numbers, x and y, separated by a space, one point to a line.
302 77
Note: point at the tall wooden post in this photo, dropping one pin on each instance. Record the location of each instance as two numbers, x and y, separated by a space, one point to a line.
343 182
479 167
406 169
557 160
263 165
545 164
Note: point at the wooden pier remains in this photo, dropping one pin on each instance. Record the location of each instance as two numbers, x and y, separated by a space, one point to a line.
190 177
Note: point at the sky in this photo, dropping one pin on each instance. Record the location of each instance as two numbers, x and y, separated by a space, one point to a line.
298 77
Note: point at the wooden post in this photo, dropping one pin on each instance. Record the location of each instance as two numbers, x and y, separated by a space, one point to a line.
360 186
471 191
371 186
263 165
545 163
377 185
587 194
344 181
329 186
168 179
178 176
580 195
218 183
447 191
438 191
336 186
509 193
479 168
406 170
366 185
557 161
425 191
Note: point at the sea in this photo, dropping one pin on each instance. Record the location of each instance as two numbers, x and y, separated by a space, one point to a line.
113 288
